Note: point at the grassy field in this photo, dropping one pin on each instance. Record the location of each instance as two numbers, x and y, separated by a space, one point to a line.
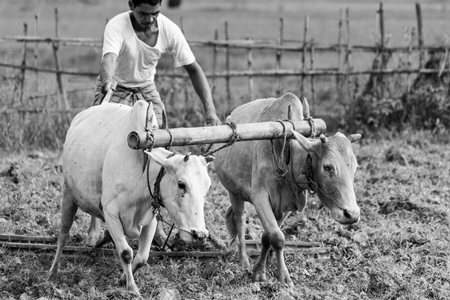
399 250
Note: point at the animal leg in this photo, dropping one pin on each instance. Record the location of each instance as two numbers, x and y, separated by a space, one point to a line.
259 271
145 242
123 249
238 218
68 211
93 231
272 237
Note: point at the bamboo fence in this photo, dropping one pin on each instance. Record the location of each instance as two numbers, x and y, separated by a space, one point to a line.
343 50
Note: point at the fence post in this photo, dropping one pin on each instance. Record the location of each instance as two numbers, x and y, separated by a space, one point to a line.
305 36
61 91
339 64
313 89
250 78
381 52
227 62
35 55
348 51
214 63
278 57
24 63
410 50
420 34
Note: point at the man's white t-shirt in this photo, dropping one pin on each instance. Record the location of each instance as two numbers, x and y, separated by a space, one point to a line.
136 61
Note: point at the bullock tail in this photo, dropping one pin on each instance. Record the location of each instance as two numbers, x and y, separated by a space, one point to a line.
231 226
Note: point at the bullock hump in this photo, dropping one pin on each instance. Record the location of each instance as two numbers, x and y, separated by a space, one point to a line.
268 110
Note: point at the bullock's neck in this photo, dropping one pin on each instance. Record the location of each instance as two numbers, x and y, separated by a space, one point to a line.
296 180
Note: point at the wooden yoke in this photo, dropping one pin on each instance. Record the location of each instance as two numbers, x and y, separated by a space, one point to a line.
223 133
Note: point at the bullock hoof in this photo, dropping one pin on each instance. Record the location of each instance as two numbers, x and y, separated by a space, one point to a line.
259 276
285 278
51 276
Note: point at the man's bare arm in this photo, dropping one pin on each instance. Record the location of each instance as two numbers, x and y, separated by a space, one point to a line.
201 87
107 70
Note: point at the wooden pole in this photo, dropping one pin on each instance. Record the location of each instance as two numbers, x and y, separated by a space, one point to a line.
227 63
221 134
24 63
420 34
339 57
250 78
381 51
278 57
348 51
411 42
305 36
341 17
313 89
62 99
381 24
214 63
35 55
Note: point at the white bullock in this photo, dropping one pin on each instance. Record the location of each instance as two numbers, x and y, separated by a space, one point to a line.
110 181
276 181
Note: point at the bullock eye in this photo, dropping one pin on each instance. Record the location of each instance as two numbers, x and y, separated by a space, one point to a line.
328 168
181 185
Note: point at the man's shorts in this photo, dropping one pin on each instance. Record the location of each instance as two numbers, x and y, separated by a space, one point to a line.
129 96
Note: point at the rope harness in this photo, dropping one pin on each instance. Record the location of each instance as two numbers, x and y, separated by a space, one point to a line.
208 150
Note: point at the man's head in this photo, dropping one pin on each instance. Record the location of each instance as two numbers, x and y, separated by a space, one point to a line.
151 2
145 12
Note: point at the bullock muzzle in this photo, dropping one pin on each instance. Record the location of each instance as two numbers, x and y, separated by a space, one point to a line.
189 237
200 235
347 216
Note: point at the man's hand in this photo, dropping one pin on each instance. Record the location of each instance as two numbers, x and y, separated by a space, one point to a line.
107 85
211 119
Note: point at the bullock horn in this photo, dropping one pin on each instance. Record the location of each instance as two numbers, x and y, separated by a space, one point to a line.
186 157
354 137
323 138
209 158
289 116
305 104
303 141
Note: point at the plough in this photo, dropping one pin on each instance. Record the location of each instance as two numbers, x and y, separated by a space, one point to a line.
47 246
147 139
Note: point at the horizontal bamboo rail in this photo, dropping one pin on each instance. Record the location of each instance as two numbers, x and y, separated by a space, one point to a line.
253 73
238 44
221 134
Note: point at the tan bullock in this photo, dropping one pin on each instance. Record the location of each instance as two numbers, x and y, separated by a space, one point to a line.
276 181
110 181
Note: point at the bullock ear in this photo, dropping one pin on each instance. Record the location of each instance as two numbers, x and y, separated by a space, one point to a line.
159 158
354 137
303 141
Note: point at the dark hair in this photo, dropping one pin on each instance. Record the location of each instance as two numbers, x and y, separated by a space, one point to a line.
151 2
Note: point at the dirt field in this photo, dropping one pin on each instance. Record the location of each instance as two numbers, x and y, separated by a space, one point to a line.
399 249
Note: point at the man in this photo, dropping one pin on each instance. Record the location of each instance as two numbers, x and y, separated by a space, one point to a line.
133 44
